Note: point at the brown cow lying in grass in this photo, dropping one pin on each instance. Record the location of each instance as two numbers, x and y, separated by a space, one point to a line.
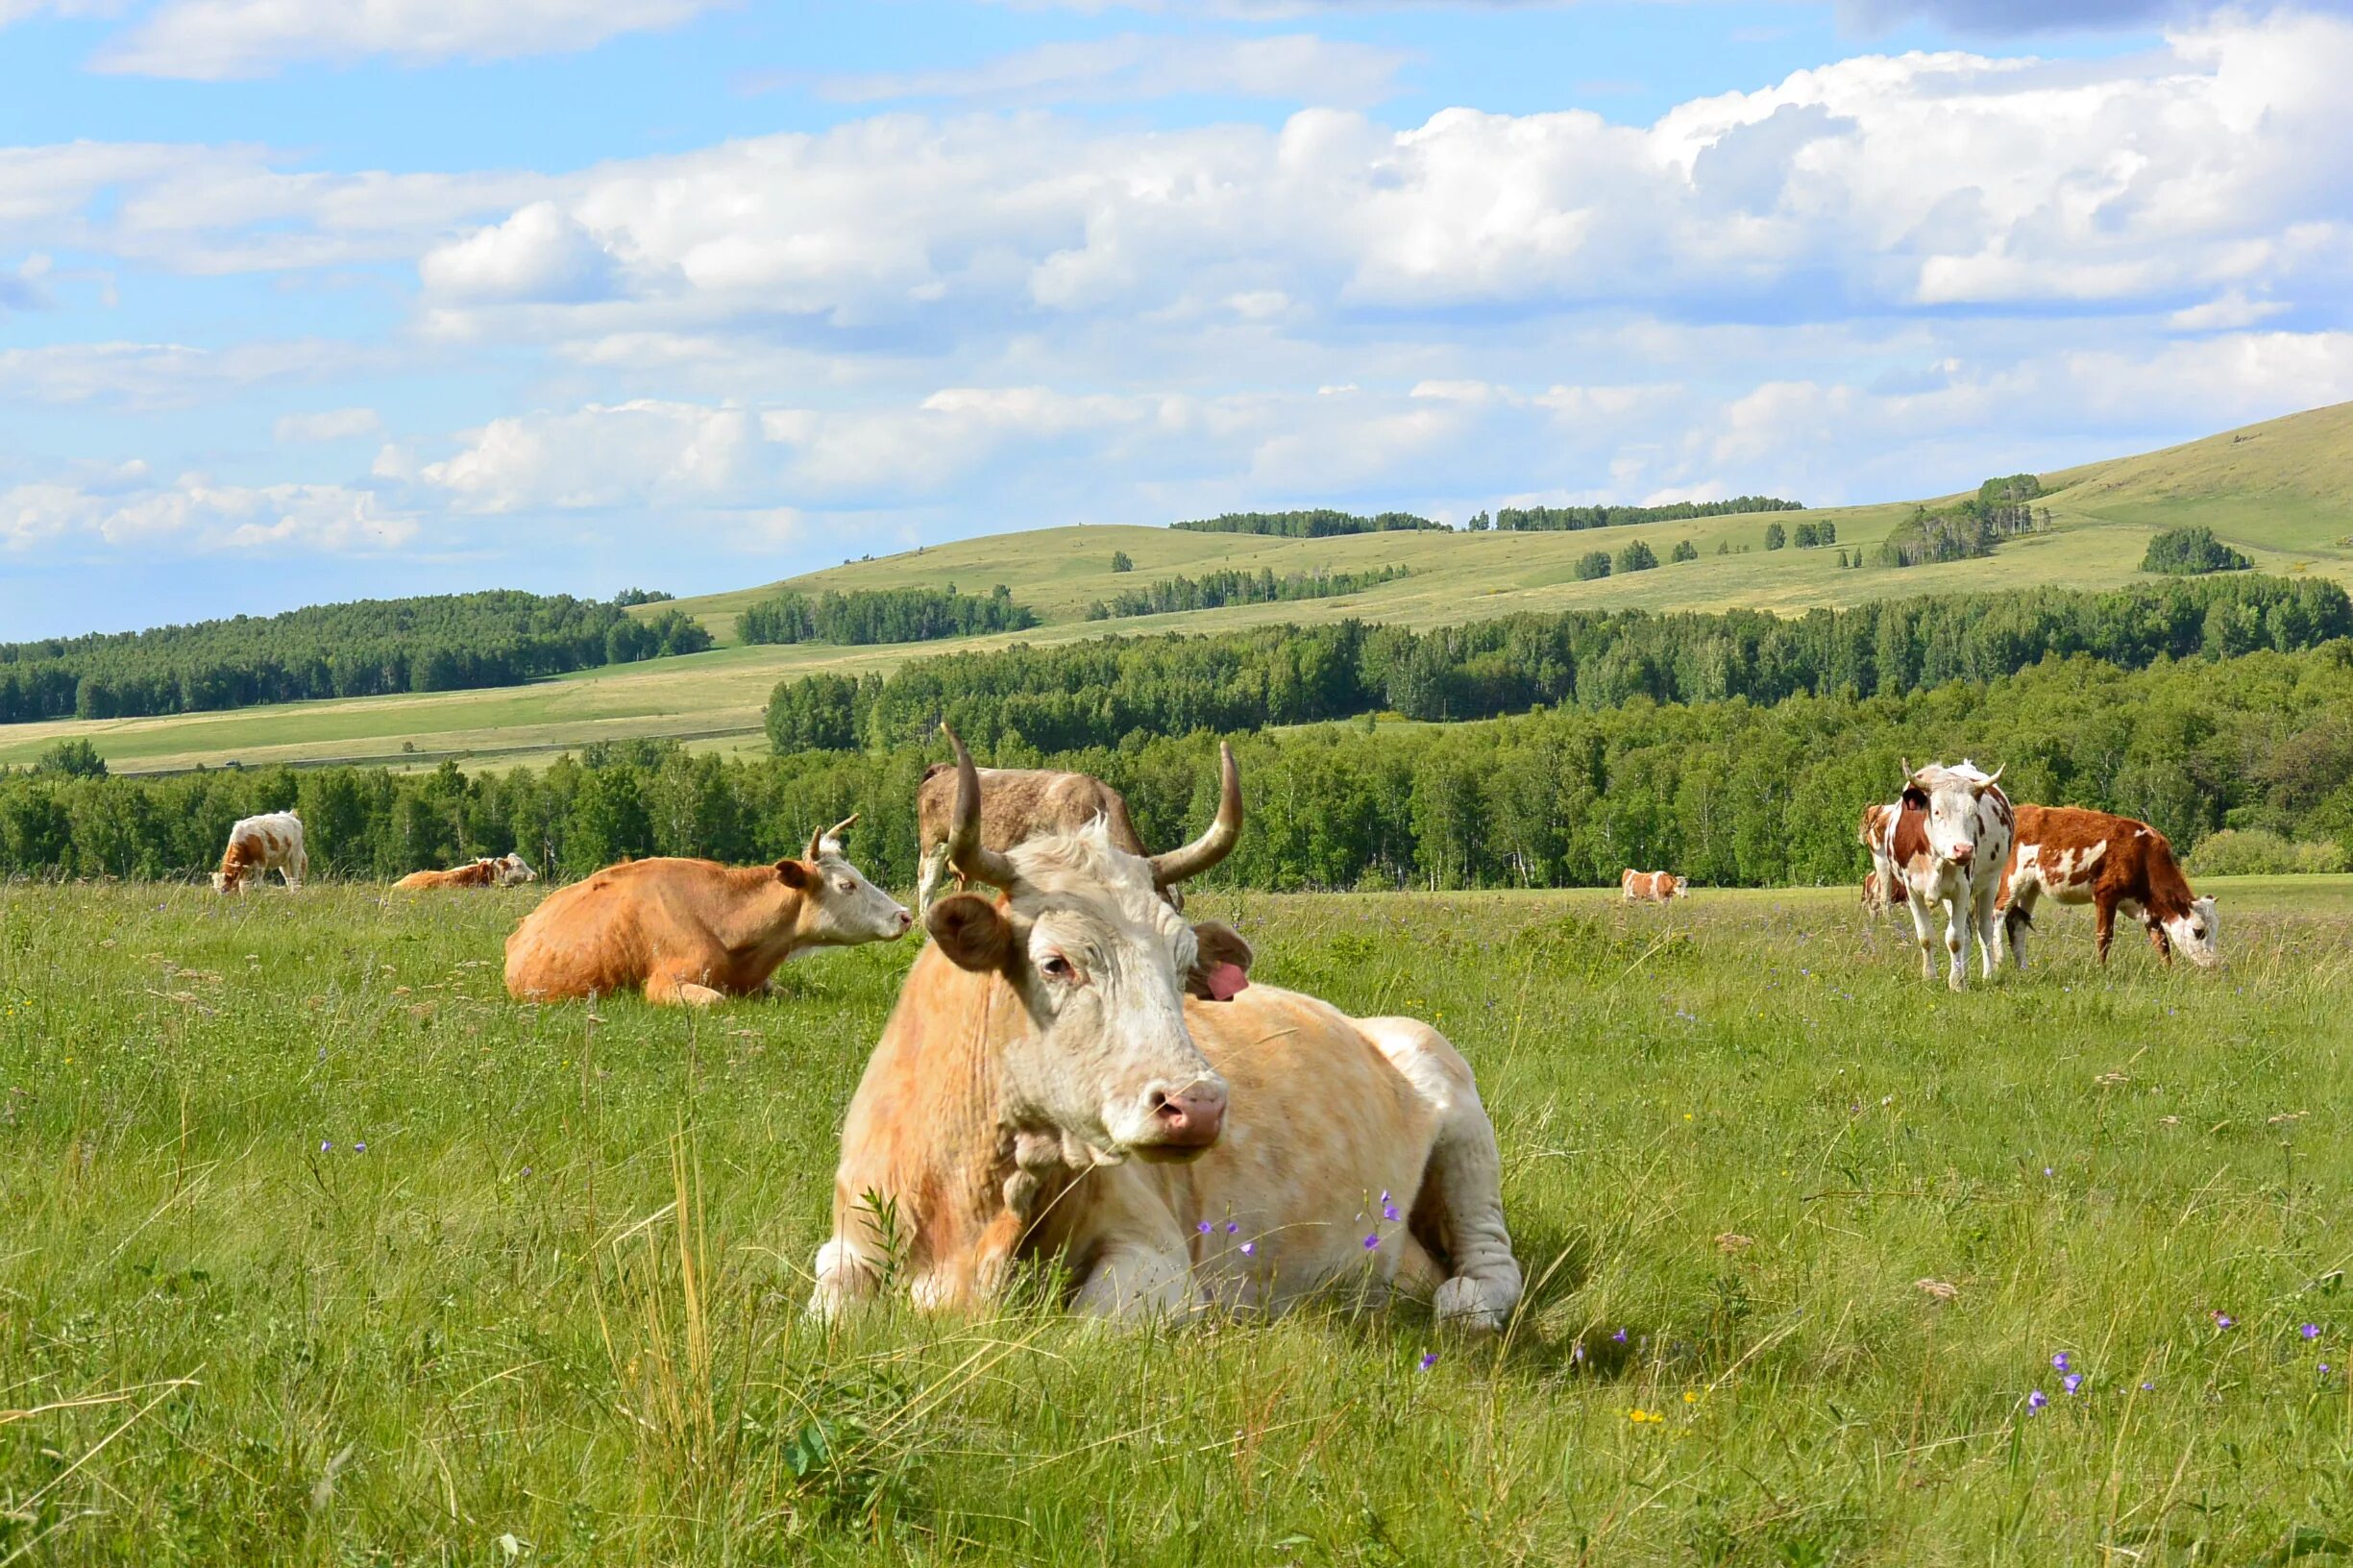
506 870
695 931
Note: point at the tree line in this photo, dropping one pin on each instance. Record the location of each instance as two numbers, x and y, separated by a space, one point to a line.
1571 518
1213 590
435 643
1100 691
882 614
1320 522
1729 793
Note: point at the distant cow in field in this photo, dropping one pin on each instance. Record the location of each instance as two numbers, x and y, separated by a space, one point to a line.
506 870
694 931
1018 804
258 845
1881 888
2111 862
1946 839
1066 1078
1652 886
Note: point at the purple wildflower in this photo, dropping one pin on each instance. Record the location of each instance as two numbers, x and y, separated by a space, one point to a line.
2324 1369
2036 1400
1429 1359
1250 1249
2310 1331
1577 1351
1232 1227
2148 1388
326 1146
2047 1172
359 1148
2223 1320
1619 1336
2072 1381
1204 1227
2059 1362
1371 1241
1388 1211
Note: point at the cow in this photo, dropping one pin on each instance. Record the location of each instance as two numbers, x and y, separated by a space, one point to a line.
1017 804
506 870
2080 856
258 845
1947 840
694 931
1652 886
1074 1075
1879 882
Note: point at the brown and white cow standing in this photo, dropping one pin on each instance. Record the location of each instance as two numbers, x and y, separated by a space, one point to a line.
1017 804
1946 839
1652 886
2080 856
506 870
258 845
1879 882
1057 1081
695 931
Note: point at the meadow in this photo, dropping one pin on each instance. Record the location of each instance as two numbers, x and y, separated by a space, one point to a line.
314 1248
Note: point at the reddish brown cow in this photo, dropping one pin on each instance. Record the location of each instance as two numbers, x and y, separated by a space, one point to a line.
1652 886
1018 804
506 870
2112 863
695 931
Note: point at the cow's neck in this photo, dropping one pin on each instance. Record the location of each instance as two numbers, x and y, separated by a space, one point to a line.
771 924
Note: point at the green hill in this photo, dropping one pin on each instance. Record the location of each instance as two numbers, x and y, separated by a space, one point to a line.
2281 491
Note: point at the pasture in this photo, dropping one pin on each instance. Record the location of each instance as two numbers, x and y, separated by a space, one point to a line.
314 1248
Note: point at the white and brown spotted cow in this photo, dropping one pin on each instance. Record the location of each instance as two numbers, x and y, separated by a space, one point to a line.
1018 804
258 845
1652 886
2080 856
1880 889
1061 1081
1946 839
506 870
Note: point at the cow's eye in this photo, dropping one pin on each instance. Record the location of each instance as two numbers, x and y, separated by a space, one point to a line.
845 884
1058 967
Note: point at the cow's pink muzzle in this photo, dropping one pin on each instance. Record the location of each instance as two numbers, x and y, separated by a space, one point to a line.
1188 1120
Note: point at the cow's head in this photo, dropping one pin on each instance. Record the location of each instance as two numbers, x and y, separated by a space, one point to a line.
512 871
840 908
1102 966
1950 796
224 881
2193 935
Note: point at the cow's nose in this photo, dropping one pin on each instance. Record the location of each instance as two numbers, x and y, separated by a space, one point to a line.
1191 1118
906 919
1961 852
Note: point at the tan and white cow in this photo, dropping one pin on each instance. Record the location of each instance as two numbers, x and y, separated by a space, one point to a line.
694 931
1059 1082
258 845
2078 856
1879 884
1652 886
1945 839
506 870
1017 804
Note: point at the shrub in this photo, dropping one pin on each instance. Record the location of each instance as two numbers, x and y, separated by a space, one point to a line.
2189 552
1775 536
1685 551
2256 851
1593 563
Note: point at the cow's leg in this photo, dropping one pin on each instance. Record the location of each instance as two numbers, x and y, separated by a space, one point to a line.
1141 1277
296 868
2019 918
2104 925
1989 931
2157 939
1956 940
1458 1213
844 1277
1918 910
672 988
928 873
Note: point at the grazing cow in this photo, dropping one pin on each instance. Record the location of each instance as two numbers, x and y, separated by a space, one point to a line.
1652 886
2111 862
1947 837
695 931
258 845
1017 804
1061 1081
506 870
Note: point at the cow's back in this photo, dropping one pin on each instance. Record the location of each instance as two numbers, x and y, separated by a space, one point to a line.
598 935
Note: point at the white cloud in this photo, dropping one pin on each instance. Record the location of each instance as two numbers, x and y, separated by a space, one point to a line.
153 376
1135 66
210 40
327 424
193 514
541 252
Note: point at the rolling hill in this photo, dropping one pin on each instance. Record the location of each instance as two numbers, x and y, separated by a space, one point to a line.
2281 491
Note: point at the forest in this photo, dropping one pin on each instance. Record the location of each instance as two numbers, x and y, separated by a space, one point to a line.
1213 590
1570 519
882 614
1101 691
1726 792
1319 524
439 643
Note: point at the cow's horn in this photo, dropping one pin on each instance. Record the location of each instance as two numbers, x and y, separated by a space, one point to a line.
974 861
1212 846
829 834
1906 763
1995 775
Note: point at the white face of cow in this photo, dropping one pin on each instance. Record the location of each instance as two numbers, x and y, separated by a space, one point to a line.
1953 812
513 871
846 908
2195 935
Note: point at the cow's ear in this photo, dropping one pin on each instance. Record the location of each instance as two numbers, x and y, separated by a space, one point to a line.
972 931
792 874
1221 968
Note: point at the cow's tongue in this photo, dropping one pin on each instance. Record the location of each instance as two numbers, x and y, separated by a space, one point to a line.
1226 981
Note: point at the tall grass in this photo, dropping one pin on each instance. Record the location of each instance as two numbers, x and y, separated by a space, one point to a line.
1804 1234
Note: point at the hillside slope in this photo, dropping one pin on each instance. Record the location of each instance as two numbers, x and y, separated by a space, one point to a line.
2282 491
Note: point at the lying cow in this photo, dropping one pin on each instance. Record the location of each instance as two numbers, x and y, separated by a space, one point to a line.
695 931
1652 886
1059 1080
506 870
1947 840
258 845
2111 862
1017 804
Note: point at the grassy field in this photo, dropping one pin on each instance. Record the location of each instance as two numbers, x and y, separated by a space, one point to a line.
315 1249
2283 492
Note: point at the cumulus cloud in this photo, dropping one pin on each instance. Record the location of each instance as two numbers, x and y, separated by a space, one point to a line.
542 252
1300 67
123 507
327 424
210 40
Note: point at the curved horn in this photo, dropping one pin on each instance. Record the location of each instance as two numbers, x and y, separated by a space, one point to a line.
1906 763
1995 775
973 860
1219 841
829 834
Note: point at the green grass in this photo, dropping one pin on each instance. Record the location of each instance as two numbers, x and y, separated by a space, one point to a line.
558 1297
2282 492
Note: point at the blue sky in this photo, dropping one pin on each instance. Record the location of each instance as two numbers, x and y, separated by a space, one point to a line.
308 299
